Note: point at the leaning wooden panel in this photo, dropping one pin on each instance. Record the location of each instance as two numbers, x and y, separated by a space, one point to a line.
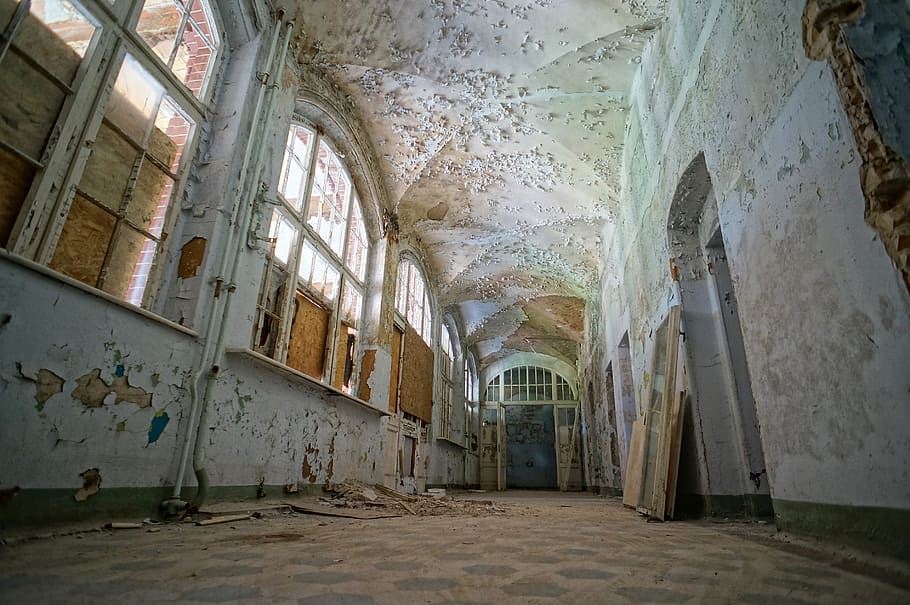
631 489
306 347
662 461
679 406
416 392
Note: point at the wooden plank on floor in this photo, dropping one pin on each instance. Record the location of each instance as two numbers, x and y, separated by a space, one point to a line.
347 513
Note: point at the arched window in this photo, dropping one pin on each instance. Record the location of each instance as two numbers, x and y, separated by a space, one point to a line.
412 301
318 251
119 89
529 383
446 368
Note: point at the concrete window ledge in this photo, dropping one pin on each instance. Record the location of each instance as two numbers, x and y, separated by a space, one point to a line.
300 377
451 442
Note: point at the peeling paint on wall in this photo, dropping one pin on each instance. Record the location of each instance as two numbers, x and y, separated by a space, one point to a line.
91 484
47 384
157 426
191 257
91 389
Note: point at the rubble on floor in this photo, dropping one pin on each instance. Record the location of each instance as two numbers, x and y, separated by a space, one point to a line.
355 494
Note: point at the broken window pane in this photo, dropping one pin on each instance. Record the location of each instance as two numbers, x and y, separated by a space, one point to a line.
351 305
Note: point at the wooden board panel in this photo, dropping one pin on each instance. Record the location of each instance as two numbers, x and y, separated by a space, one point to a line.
367 365
341 354
29 104
128 245
397 338
15 179
306 347
83 242
631 489
417 377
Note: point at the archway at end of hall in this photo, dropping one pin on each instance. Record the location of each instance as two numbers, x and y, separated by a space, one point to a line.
531 426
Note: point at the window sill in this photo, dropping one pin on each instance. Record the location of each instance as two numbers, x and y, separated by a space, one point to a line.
78 285
452 442
299 376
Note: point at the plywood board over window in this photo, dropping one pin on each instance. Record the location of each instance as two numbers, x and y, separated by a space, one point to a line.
417 377
397 338
306 347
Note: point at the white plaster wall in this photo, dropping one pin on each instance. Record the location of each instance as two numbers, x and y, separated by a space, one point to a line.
825 317
286 431
49 324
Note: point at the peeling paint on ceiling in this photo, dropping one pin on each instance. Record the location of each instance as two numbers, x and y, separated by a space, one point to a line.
499 125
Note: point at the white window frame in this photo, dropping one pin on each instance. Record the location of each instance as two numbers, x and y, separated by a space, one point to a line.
446 386
519 378
307 235
45 209
412 299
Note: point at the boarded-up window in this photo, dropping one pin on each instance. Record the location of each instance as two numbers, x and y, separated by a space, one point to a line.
397 338
417 377
36 74
306 346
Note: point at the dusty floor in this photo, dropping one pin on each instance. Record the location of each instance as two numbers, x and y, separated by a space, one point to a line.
548 548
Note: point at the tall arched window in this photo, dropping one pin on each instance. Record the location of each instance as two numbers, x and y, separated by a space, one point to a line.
318 251
412 301
446 391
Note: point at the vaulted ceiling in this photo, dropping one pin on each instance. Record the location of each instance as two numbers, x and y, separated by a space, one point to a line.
499 126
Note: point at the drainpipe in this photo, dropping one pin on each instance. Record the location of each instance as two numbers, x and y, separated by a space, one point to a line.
213 349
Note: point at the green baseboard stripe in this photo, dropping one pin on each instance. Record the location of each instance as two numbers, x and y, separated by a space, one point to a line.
878 530
36 507
689 506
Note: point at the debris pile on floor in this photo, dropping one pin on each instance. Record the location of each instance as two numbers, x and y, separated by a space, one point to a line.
355 494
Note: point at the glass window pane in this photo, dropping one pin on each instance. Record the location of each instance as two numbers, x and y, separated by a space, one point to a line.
172 131
329 286
307 257
193 59
27 125
149 201
158 26
284 236
200 13
108 170
57 35
125 268
134 101
356 257
294 166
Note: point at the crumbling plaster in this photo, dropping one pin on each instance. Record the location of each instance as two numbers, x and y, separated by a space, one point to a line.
823 351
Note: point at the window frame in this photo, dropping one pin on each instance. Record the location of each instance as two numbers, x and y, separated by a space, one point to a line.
277 345
557 385
446 385
417 314
46 207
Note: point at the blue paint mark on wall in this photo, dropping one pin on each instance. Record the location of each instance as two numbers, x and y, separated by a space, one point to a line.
118 371
156 427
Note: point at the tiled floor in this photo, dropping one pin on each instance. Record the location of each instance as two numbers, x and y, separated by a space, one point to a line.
548 548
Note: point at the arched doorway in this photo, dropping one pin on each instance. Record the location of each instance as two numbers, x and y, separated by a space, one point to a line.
530 430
